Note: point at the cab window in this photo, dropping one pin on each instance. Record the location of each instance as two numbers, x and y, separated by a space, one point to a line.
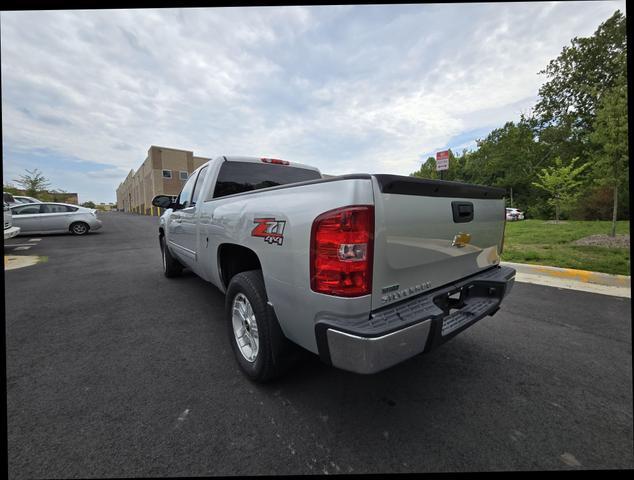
238 177
184 199
199 185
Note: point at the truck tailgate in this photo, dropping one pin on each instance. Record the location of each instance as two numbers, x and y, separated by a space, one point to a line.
431 233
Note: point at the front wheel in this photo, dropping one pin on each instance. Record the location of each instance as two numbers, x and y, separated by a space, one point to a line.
171 266
257 341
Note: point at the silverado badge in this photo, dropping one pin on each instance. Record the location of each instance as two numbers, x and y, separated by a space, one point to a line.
392 293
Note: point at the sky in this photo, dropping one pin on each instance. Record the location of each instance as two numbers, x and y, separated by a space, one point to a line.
348 89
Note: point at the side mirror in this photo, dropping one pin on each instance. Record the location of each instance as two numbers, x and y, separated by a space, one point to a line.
162 201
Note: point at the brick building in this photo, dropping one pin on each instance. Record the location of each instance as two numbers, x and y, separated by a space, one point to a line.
163 172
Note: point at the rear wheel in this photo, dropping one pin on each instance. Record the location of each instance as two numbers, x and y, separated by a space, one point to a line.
171 266
257 341
79 228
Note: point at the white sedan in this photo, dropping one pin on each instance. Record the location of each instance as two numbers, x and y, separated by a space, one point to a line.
54 218
514 214
23 199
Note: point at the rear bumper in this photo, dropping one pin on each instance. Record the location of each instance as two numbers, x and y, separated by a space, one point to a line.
95 224
400 331
11 232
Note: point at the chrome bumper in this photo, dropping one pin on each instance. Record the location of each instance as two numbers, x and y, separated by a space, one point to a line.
397 332
371 355
11 232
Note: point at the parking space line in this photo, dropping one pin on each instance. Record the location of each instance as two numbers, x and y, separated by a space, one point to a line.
34 239
23 248
20 245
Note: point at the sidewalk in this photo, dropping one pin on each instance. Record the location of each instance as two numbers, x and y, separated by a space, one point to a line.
584 280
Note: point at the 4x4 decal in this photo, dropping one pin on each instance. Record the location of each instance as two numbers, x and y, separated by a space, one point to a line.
270 229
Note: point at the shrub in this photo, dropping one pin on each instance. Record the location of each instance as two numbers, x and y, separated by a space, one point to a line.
597 205
540 210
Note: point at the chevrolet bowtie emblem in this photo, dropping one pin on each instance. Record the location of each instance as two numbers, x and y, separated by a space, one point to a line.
461 239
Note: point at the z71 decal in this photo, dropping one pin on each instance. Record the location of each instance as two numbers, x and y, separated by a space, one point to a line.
270 229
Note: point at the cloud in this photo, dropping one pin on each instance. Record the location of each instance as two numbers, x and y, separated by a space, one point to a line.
346 88
116 173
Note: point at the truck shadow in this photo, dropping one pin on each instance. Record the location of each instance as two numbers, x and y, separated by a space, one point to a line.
410 398
435 392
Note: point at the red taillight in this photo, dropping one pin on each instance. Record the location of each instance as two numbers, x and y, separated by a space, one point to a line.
275 161
341 249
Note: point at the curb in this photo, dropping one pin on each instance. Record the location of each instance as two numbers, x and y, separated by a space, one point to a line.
571 274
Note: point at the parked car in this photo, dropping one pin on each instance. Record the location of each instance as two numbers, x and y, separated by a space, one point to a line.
9 199
51 217
23 199
10 230
514 214
365 271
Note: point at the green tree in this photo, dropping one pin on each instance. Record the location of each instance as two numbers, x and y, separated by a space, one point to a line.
576 81
610 135
11 189
427 170
580 75
88 204
33 182
53 195
510 157
561 183
579 119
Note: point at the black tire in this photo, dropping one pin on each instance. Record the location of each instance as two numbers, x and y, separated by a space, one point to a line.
171 266
275 352
79 228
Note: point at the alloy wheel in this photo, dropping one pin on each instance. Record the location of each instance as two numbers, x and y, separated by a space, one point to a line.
79 228
245 327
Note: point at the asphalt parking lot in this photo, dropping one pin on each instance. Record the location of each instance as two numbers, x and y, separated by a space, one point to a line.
115 370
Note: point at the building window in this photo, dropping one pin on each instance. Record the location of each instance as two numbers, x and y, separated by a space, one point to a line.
184 175
167 174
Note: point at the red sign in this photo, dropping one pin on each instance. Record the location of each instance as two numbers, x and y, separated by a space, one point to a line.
442 160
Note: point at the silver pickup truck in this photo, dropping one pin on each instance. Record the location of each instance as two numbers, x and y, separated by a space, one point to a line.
363 270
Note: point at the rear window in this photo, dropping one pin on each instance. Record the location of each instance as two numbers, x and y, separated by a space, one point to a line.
238 177
52 208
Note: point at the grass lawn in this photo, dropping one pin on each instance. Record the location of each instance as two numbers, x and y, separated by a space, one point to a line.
541 243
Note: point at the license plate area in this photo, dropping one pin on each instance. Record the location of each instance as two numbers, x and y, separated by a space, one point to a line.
453 300
465 304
